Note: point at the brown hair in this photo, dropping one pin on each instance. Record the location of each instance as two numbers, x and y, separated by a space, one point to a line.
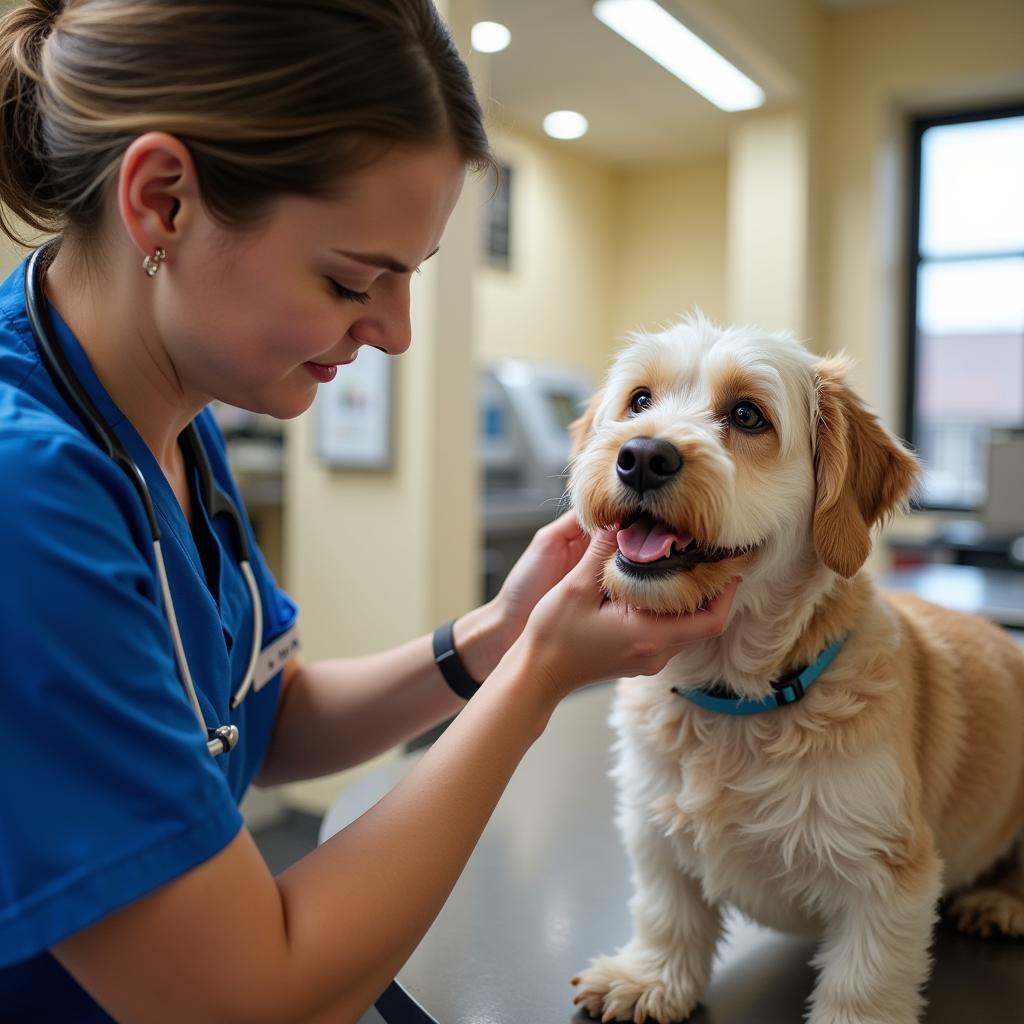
270 98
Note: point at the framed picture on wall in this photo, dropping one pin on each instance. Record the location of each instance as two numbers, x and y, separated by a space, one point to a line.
353 414
498 221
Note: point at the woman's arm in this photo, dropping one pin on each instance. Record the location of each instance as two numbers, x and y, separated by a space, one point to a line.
338 713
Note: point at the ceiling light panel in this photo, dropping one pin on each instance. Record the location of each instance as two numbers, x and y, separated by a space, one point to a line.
650 28
489 37
566 124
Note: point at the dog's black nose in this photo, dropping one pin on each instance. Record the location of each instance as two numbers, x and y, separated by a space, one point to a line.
647 463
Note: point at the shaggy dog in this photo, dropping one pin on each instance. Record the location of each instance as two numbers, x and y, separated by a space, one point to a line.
845 815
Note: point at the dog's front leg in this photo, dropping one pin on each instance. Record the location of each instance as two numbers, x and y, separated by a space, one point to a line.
874 959
663 970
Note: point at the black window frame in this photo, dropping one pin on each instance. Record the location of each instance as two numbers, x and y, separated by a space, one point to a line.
918 126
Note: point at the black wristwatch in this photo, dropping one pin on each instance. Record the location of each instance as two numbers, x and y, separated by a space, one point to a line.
448 661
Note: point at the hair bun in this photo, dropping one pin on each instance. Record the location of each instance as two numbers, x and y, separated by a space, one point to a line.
47 9
39 18
25 189
33 21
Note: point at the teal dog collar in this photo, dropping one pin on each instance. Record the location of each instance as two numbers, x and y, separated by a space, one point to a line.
787 690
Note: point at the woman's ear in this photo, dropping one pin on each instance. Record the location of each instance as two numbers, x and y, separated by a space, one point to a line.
156 188
863 473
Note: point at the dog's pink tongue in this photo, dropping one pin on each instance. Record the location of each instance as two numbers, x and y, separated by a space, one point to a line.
647 540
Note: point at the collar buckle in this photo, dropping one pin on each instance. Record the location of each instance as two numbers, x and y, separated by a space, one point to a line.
788 689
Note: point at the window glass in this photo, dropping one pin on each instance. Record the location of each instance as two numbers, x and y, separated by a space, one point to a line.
971 195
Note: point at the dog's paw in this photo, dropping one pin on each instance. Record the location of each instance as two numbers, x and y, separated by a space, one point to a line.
839 1011
988 912
623 988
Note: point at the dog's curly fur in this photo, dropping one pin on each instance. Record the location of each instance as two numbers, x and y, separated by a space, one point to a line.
898 779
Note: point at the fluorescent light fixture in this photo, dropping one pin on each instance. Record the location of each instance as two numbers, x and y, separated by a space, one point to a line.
652 29
565 124
489 37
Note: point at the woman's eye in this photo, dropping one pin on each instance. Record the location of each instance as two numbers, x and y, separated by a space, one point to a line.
346 293
640 402
747 416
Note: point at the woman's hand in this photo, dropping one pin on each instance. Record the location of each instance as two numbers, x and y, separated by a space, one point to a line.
559 574
485 634
553 552
576 635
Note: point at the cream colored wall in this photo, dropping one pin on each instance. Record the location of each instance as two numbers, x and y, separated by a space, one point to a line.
598 252
670 245
768 220
552 304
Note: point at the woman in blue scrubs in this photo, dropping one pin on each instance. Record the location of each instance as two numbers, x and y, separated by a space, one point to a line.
241 190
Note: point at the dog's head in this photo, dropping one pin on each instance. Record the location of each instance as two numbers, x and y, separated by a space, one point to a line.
724 452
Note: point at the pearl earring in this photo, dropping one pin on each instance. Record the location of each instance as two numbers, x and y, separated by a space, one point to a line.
151 264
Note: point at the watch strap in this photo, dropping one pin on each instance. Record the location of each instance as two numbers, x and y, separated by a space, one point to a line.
450 664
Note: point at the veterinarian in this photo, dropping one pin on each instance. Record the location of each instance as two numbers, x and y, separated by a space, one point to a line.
240 191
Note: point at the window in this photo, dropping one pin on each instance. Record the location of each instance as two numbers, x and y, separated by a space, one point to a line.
966 332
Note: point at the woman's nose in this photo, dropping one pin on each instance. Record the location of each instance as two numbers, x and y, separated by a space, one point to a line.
387 323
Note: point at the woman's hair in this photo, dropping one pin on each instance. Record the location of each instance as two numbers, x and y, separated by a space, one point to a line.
271 97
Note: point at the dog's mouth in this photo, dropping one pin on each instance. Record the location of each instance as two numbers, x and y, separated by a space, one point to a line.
649 547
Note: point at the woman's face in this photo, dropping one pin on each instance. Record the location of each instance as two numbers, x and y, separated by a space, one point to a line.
258 318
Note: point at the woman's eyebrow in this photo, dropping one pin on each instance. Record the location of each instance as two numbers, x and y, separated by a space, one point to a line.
377 260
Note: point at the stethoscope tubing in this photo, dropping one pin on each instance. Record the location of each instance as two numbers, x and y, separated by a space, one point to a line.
222 738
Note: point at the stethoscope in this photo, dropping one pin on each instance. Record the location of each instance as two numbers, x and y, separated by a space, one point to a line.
215 501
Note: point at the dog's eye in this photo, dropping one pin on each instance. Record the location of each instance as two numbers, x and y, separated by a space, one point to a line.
747 416
640 402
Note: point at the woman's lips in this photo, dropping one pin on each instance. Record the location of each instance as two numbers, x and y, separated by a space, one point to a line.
323 372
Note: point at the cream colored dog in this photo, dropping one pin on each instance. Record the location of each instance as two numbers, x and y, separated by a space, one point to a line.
899 777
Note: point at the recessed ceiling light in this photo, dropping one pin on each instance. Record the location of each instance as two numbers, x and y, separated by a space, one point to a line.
489 37
652 29
565 124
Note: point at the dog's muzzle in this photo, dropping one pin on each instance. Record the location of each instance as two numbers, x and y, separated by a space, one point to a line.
649 547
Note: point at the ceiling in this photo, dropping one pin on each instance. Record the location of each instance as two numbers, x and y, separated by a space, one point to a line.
562 57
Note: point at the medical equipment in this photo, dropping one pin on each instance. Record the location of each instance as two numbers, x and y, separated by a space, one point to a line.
525 412
224 737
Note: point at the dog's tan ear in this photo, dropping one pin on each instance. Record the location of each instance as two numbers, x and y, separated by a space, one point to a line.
579 429
863 473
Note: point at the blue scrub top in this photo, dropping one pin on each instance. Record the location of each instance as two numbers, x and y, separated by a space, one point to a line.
107 790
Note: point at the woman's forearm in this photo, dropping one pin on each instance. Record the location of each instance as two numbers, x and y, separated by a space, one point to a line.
340 712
